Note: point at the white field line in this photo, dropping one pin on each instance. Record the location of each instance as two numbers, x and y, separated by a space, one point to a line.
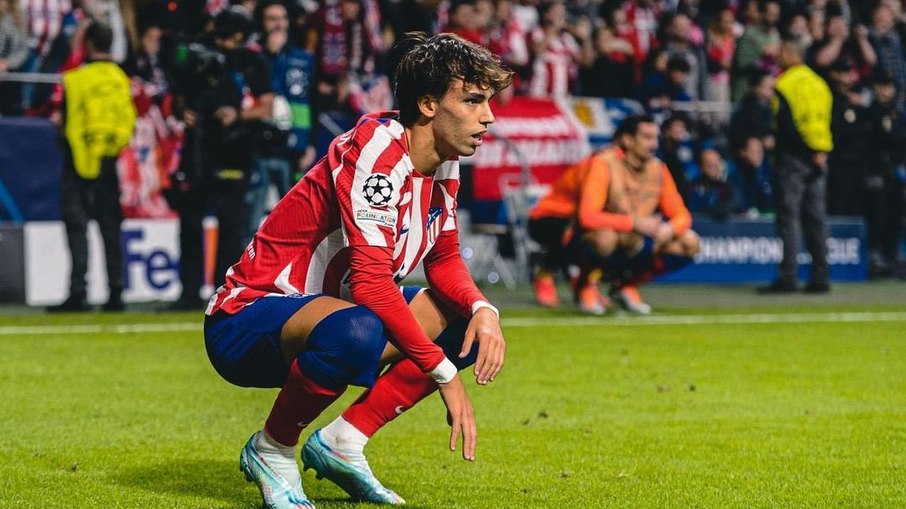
579 321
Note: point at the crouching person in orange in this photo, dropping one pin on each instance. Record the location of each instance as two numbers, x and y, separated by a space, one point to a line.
584 220
666 242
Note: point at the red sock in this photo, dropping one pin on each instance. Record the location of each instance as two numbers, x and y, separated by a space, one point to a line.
397 390
300 401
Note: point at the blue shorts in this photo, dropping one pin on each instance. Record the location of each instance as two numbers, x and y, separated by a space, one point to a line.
244 348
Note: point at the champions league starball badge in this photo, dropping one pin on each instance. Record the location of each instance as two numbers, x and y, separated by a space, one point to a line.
378 190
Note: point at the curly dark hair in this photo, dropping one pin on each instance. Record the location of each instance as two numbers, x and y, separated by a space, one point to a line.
431 64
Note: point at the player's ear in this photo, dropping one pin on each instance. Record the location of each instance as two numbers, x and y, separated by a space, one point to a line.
427 105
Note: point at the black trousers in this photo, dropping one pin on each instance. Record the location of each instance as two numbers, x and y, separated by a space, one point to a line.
228 205
548 232
884 205
800 192
82 200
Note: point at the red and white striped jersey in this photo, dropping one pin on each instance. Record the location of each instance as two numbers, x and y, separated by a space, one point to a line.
555 69
364 196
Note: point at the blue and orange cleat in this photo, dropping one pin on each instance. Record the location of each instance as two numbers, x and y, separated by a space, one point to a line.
275 490
348 470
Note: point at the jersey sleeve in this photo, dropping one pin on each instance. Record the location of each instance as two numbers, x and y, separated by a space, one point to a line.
369 185
449 278
672 206
372 285
593 195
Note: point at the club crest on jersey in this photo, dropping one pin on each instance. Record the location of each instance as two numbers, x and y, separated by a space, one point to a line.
378 190
432 225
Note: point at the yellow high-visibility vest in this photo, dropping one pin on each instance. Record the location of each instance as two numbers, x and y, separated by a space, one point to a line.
810 101
100 114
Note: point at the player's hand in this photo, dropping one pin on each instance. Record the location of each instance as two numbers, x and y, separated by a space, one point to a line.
647 226
484 327
664 234
460 416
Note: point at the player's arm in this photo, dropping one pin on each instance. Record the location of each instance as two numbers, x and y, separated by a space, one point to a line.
370 227
672 206
372 285
593 195
451 282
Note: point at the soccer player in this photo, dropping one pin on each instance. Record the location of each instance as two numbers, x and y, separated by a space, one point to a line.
313 300
584 219
651 193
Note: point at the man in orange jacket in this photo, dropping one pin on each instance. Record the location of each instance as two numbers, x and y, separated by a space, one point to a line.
607 214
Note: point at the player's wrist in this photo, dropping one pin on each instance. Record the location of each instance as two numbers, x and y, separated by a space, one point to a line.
483 304
445 372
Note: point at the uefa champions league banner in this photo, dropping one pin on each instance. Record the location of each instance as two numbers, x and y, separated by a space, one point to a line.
748 251
538 135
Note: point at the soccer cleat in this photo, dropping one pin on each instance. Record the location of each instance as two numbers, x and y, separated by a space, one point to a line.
348 470
590 300
629 298
275 490
546 291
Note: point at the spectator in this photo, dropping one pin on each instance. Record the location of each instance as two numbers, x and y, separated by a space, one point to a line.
850 125
287 144
463 20
612 72
752 116
345 39
147 66
884 181
797 28
840 44
153 153
556 53
13 52
750 174
678 43
45 21
720 48
660 89
509 41
803 137
888 47
642 20
711 193
675 152
96 128
756 50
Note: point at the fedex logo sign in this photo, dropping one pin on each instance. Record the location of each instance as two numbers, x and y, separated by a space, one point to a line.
148 265
150 255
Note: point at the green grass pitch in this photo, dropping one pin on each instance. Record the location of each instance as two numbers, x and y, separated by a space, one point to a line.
704 408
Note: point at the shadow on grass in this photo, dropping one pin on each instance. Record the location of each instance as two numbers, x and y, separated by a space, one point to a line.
218 481
214 480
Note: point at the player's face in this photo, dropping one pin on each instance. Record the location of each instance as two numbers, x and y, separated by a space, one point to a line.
644 143
462 118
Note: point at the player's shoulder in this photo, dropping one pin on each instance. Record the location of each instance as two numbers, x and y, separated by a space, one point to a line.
384 126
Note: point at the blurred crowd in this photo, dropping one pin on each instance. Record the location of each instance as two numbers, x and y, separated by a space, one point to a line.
338 55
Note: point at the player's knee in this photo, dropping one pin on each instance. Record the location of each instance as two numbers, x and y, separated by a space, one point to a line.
604 242
344 348
691 243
